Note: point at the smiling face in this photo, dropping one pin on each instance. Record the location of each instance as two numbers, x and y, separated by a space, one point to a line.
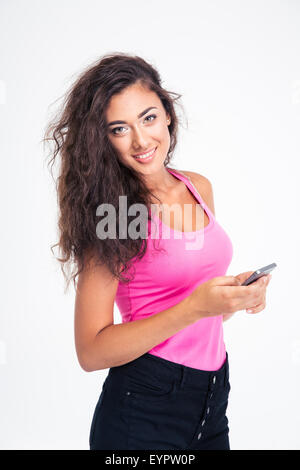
137 124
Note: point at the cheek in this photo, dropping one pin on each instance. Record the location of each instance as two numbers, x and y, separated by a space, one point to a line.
162 135
120 146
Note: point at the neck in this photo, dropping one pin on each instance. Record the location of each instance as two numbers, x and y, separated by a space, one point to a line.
160 182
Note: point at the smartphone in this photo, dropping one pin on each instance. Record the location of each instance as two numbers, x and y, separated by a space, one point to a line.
259 273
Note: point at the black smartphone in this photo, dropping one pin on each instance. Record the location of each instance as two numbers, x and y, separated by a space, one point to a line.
259 273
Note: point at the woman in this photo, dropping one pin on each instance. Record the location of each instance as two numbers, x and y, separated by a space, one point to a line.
168 380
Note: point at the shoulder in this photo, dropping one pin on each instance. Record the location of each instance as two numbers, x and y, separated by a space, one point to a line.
197 178
203 186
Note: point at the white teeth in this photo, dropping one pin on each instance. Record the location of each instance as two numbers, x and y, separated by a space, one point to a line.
147 154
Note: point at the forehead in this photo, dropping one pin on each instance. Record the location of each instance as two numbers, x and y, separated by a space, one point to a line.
130 102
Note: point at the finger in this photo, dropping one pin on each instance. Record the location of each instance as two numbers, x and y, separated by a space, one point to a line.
267 279
257 308
255 287
243 276
259 290
254 293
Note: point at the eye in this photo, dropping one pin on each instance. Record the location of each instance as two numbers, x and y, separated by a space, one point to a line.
151 115
117 128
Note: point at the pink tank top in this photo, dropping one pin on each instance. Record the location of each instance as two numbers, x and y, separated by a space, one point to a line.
164 278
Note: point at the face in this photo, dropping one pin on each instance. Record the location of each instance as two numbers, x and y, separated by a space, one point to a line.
139 129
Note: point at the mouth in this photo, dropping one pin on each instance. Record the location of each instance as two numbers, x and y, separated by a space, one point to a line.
146 157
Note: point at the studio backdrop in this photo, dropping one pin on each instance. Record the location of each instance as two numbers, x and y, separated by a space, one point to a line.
236 65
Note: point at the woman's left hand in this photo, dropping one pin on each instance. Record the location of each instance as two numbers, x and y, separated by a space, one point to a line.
256 308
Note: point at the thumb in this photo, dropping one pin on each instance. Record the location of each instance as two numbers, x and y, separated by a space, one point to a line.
243 276
227 281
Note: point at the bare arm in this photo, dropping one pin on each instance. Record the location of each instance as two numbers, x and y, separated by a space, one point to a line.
226 316
100 344
118 344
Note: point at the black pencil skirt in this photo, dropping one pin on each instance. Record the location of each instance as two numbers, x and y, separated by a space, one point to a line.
153 403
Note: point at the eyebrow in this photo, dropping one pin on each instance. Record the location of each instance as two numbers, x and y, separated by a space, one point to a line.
139 116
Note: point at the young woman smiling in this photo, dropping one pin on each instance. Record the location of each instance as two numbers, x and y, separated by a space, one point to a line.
168 380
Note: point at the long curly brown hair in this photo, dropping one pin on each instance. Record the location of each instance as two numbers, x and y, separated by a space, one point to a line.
90 172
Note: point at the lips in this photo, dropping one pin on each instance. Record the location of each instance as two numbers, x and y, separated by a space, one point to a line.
144 153
145 159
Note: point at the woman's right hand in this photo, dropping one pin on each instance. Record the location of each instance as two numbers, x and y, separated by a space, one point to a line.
224 294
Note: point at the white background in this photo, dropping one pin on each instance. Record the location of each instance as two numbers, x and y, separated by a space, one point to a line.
236 64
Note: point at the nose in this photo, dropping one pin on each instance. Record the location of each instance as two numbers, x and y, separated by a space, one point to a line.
139 140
